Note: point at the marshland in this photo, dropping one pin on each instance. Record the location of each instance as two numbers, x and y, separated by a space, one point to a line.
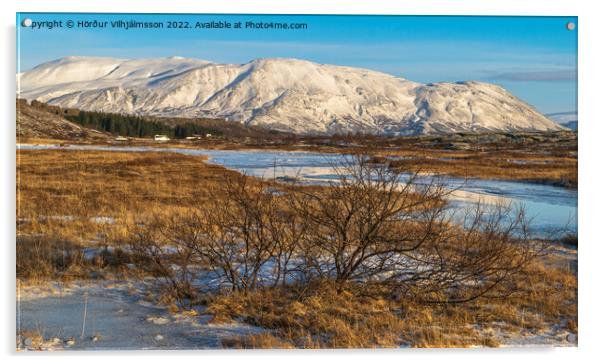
340 242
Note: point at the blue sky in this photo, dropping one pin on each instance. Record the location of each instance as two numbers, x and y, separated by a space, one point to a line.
533 57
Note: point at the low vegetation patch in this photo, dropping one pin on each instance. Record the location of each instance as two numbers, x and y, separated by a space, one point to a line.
320 318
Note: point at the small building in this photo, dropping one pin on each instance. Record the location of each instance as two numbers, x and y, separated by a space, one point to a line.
161 138
120 138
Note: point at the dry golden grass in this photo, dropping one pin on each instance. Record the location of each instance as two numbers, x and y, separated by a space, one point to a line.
38 140
322 319
255 341
67 200
65 189
100 183
510 165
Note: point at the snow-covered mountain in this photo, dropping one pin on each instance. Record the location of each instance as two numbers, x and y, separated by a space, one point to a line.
283 94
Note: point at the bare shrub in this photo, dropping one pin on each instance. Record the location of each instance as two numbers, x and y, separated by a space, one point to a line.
374 229
248 238
162 247
362 223
570 239
479 258
381 226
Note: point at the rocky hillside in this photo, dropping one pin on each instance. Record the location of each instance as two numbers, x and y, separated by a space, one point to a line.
40 121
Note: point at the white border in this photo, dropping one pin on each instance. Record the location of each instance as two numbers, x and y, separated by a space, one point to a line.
589 169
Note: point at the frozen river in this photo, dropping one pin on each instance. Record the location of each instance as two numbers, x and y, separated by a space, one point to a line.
548 207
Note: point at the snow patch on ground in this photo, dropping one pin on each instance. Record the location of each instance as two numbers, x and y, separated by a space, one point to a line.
118 315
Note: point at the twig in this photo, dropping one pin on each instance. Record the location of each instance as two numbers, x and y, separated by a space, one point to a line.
85 313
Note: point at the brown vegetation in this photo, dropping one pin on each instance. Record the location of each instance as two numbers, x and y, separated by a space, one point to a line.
319 318
556 170
69 200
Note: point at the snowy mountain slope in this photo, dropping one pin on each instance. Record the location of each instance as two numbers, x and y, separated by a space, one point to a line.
567 119
77 74
282 94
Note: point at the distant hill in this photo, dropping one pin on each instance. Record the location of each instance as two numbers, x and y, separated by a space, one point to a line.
289 95
567 119
41 120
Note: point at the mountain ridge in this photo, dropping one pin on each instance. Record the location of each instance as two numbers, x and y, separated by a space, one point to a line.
283 94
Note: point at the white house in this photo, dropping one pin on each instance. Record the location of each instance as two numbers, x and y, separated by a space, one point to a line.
161 138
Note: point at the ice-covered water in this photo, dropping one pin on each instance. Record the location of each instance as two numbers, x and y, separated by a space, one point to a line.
548 207
116 316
